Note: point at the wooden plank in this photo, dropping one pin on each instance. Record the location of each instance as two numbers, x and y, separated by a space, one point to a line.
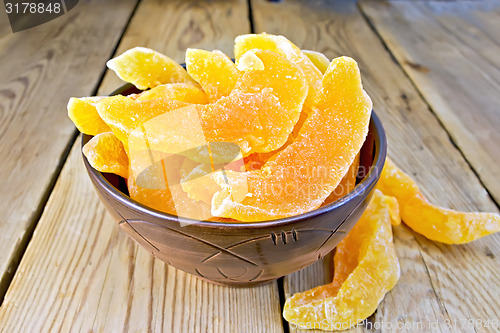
438 282
80 273
41 68
450 50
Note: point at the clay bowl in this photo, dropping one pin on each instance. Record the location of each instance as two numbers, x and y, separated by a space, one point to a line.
238 254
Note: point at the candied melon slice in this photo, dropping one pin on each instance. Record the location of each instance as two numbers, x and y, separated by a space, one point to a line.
105 153
283 79
365 269
318 59
249 61
290 51
300 177
146 68
83 113
184 92
123 114
214 71
436 223
347 183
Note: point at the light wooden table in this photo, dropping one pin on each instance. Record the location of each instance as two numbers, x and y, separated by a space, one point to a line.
432 69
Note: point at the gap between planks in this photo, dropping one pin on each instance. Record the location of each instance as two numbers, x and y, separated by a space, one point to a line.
372 26
23 243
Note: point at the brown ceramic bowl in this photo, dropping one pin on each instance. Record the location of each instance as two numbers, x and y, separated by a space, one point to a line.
243 254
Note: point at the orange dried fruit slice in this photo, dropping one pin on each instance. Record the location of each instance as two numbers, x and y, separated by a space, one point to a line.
438 224
184 92
83 113
290 51
257 122
365 269
105 153
123 114
318 59
214 71
300 177
347 183
281 78
146 68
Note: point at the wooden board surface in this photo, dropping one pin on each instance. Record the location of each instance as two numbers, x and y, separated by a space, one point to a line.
450 51
438 282
41 68
81 273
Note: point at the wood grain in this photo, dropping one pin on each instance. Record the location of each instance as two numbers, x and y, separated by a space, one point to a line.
438 282
41 68
81 273
450 50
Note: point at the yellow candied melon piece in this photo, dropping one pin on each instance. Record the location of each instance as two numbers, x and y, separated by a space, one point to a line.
258 115
436 223
214 71
82 111
290 51
347 183
146 68
106 153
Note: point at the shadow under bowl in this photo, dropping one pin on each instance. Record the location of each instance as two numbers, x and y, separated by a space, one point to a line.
243 254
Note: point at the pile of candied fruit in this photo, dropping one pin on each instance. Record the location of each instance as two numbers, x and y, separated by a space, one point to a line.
274 134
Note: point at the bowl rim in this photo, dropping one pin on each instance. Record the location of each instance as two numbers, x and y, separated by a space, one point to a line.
365 184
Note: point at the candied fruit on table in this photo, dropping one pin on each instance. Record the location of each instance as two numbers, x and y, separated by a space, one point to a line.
106 153
435 223
365 269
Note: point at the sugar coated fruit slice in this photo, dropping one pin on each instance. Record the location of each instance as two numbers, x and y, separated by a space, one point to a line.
214 71
318 59
83 113
105 153
183 92
146 68
290 51
365 269
436 223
